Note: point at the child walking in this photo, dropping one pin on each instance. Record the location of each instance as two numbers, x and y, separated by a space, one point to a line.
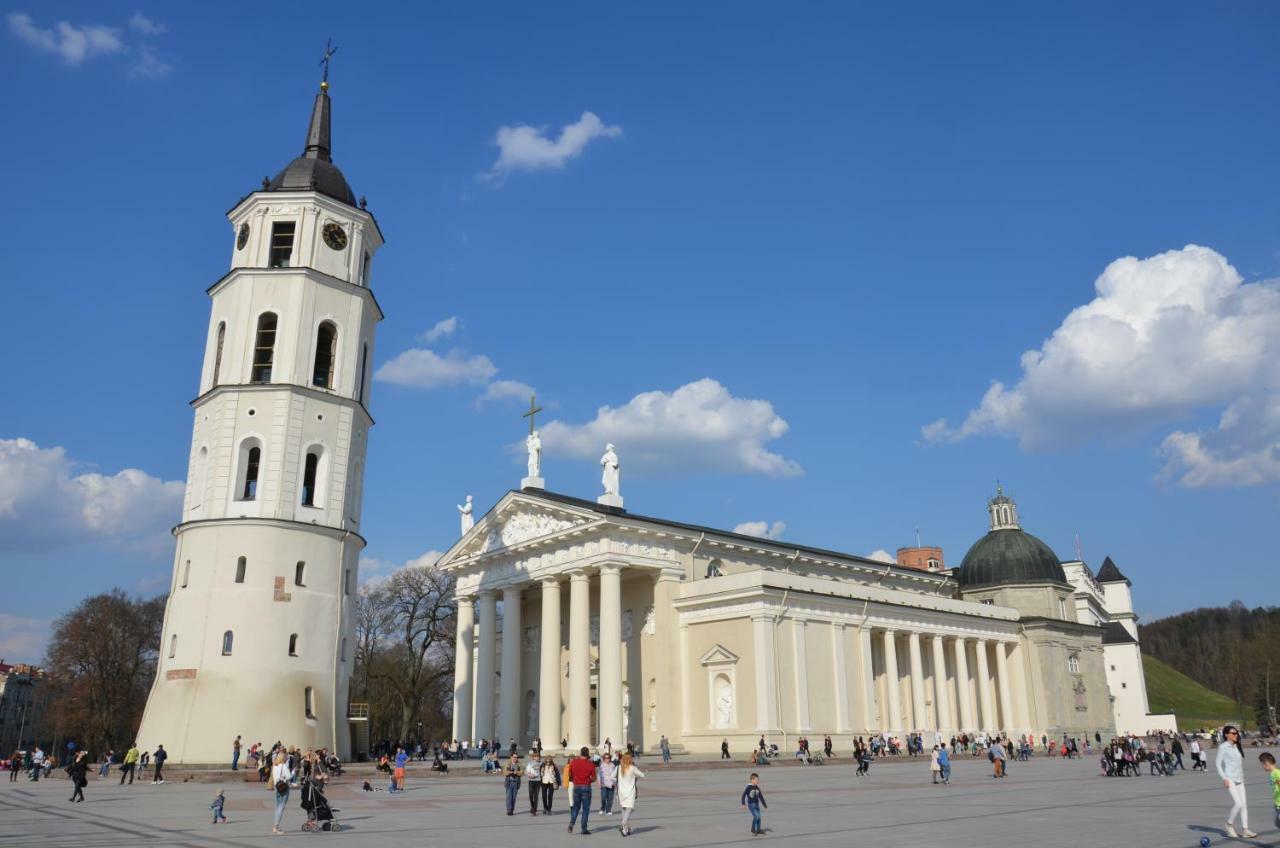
753 800
216 806
1268 761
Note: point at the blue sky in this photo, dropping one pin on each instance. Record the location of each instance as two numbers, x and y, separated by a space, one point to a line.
800 237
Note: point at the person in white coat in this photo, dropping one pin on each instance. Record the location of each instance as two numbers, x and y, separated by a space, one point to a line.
1230 764
628 776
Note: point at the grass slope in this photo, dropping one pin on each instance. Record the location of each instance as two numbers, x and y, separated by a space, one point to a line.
1171 691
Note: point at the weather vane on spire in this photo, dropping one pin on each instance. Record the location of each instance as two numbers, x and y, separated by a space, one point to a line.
329 50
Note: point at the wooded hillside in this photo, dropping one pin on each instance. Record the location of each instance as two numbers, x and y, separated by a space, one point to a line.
1232 650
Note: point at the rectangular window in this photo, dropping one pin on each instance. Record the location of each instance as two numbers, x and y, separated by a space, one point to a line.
173 645
364 272
242 565
309 703
346 582
281 244
186 574
299 572
251 474
309 480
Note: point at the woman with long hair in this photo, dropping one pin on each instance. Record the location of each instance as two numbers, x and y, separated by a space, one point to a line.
280 779
628 775
1230 764
550 780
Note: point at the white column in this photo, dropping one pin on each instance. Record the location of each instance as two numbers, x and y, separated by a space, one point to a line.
609 687
579 659
917 680
841 677
893 687
801 665
509 699
549 704
867 686
984 687
1002 680
462 669
487 646
1019 681
942 700
766 689
686 684
968 725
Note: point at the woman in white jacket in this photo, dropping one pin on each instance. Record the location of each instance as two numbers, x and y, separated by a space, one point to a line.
628 775
1230 765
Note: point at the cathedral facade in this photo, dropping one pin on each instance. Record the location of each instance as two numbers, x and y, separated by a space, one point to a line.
580 621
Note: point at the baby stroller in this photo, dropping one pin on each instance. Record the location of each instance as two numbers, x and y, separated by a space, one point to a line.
319 813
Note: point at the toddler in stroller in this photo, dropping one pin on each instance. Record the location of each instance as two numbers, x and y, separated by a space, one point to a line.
319 813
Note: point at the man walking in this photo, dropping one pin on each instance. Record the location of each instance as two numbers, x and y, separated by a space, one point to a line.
235 754
130 763
582 773
159 757
666 750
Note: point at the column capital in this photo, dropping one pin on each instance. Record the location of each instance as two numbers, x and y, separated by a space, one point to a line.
579 575
515 590
487 594
611 568
464 600
549 582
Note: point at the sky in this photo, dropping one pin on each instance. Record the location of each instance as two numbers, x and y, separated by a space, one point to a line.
823 272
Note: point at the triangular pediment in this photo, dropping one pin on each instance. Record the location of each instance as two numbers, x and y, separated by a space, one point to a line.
514 521
719 655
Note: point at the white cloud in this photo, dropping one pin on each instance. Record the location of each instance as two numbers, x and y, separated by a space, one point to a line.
145 25
43 503
698 427
23 639
442 330
527 148
149 64
426 369
505 390
763 529
71 42
374 571
881 555
1165 338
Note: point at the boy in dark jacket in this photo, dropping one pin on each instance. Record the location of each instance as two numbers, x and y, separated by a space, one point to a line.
753 800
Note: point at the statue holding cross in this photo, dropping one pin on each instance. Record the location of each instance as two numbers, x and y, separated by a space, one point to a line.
533 443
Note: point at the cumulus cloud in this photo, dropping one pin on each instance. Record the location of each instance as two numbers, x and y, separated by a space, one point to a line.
526 148
23 639
443 329
425 369
1164 338
763 529
145 25
698 427
505 390
73 43
881 555
44 503
149 64
375 571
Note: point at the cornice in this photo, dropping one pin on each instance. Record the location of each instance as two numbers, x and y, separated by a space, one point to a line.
311 273
318 394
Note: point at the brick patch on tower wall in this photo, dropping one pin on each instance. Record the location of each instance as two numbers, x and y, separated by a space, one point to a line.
180 674
281 594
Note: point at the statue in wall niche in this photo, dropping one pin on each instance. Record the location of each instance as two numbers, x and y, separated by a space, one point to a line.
1082 703
532 726
713 568
595 630
650 621
626 712
612 470
626 625
724 703
532 639
534 443
467 520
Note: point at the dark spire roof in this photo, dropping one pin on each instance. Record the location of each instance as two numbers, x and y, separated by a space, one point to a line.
314 169
1110 574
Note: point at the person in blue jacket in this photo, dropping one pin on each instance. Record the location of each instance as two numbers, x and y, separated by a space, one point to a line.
753 799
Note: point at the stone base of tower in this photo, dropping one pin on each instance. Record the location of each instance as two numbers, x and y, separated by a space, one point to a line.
261 649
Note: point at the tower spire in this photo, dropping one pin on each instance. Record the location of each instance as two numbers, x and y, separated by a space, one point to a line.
318 130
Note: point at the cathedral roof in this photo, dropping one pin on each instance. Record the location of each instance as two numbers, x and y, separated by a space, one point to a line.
1007 556
1110 574
1113 633
314 169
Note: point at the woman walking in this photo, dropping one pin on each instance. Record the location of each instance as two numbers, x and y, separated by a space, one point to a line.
78 772
1230 764
628 774
550 780
280 778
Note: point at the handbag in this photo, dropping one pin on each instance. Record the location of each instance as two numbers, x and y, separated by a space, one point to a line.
282 787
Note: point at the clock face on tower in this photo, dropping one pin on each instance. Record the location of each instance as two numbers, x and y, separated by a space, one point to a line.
335 236
242 238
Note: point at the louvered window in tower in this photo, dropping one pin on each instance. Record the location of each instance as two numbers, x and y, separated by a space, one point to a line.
281 244
264 348
326 347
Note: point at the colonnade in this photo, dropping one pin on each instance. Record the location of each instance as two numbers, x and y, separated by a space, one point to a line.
478 696
1004 708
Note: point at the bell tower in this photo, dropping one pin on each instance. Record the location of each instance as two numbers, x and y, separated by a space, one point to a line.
258 636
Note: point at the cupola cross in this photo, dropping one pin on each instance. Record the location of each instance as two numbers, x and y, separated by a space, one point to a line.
534 409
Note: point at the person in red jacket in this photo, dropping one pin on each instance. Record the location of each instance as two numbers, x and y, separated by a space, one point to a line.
582 773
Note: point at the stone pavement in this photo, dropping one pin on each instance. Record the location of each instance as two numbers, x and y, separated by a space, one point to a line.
1045 803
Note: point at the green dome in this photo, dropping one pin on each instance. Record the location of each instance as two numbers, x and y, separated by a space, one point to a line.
1007 556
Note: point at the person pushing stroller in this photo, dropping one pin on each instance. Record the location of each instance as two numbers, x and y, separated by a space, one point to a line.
319 813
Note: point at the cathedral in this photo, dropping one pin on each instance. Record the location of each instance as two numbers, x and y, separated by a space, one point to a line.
704 635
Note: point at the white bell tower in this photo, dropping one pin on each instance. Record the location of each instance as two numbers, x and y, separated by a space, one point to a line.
258 637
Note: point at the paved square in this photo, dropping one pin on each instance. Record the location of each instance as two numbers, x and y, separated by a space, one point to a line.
1045 803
